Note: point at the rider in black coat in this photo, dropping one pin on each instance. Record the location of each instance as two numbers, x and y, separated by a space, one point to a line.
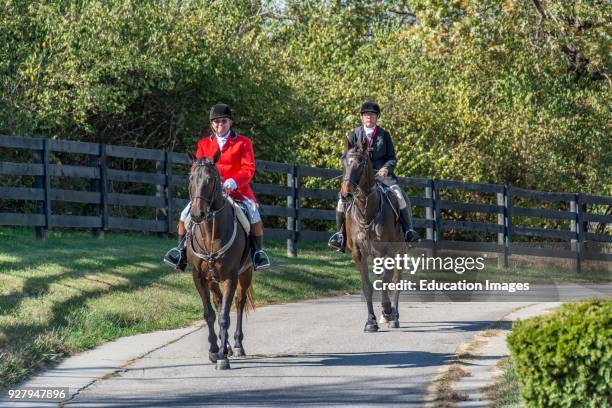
384 161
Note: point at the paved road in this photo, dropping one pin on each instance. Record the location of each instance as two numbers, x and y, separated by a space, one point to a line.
304 354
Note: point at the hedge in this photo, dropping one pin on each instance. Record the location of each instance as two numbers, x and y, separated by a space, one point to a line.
565 359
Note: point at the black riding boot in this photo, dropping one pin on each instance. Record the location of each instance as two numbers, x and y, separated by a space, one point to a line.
177 257
338 240
410 235
259 257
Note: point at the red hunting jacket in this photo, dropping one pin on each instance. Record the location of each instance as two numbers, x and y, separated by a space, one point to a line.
237 161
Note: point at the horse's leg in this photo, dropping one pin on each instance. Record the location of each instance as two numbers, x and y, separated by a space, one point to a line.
209 315
229 289
218 298
385 316
397 276
244 285
367 288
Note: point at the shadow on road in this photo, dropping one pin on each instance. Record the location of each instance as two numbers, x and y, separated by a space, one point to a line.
347 393
453 327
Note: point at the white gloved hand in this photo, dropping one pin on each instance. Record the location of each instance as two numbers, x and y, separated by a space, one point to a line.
383 172
230 184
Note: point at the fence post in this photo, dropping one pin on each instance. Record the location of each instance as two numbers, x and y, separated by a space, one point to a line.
103 188
575 226
95 186
161 213
169 192
437 216
291 205
37 157
502 258
297 204
429 217
584 225
165 191
509 224
43 182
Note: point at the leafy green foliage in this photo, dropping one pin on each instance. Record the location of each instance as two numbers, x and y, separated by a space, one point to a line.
492 91
565 360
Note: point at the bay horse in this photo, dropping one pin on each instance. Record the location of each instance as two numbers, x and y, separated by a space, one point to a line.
218 251
372 230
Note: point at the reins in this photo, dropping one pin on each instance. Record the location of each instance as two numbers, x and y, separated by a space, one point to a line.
361 192
210 257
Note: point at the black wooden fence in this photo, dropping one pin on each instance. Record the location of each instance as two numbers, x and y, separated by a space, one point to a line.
434 225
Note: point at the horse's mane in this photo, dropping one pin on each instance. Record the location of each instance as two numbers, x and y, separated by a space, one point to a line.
203 161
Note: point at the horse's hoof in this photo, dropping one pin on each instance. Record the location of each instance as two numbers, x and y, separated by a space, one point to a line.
213 357
390 317
239 352
370 328
230 352
223 364
394 324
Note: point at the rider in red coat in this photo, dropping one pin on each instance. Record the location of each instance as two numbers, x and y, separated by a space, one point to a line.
236 167
237 161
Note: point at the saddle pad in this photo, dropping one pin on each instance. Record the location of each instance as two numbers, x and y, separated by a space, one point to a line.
242 218
389 195
244 221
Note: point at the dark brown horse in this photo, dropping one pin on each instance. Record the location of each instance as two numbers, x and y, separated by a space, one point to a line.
219 253
372 230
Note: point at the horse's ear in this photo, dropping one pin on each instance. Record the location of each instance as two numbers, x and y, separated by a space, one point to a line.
364 145
216 156
347 144
191 157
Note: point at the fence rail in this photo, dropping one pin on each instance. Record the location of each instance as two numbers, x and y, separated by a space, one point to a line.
165 201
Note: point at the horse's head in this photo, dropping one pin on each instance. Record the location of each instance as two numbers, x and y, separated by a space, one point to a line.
204 185
356 169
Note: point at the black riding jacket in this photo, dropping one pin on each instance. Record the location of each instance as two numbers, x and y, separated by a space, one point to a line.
381 152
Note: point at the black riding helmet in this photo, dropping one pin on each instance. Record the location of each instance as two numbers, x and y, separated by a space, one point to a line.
220 110
370 106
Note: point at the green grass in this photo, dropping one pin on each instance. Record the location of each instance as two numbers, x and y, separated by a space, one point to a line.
505 393
73 292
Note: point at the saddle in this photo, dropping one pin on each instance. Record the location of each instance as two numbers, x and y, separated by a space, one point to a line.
241 213
390 197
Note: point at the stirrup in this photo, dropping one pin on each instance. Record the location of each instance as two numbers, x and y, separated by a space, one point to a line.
411 235
174 259
336 241
262 257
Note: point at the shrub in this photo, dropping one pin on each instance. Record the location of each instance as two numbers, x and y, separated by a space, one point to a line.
565 359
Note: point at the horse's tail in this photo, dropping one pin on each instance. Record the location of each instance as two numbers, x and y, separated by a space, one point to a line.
245 288
250 303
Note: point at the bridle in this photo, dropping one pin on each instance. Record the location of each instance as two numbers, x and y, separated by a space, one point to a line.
206 255
361 192
362 164
208 214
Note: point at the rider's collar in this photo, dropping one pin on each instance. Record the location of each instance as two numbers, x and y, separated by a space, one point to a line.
231 134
